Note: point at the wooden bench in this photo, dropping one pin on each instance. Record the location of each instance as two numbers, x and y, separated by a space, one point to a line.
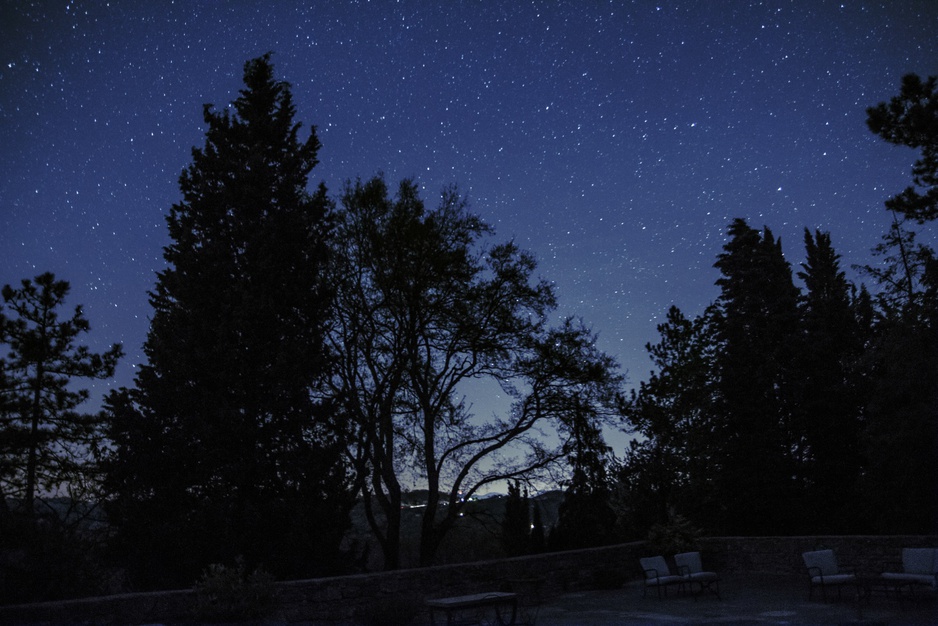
496 600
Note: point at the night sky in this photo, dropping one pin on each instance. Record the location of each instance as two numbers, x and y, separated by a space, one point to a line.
615 140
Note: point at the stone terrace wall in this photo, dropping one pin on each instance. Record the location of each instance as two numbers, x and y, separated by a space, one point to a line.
365 598
359 599
782 555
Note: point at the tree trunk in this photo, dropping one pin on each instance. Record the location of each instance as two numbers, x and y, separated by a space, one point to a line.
429 537
32 459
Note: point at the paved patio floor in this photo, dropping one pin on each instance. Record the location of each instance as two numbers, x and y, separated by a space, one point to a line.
746 599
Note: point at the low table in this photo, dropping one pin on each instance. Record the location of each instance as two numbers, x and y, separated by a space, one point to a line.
494 599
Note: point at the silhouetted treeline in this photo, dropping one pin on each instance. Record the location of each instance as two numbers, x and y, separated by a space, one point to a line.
308 355
782 410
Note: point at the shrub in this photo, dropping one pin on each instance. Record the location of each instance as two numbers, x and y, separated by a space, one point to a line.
678 535
231 594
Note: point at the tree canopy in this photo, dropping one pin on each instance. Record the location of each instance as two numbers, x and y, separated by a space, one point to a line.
911 119
425 306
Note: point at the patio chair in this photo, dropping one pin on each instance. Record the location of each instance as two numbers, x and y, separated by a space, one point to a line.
919 567
658 575
689 567
824 572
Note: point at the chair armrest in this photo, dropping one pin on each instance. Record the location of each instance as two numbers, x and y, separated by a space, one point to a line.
683 570
653 572
815 571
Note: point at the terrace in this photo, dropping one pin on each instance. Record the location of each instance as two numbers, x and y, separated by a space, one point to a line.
763 582
748 598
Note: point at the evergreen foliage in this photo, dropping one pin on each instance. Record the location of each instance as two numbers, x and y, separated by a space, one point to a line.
911 119
784 411
516 525
220 450
901 270
758 334
48 476
832 391
47 443
585 518
900 434
671 466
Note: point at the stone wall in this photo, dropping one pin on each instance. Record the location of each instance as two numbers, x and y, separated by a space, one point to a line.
355 599
367 598
782 555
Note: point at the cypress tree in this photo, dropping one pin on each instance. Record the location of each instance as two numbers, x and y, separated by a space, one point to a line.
759 337
516 525
831 393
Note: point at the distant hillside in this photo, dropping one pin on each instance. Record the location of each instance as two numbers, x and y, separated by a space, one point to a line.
476 537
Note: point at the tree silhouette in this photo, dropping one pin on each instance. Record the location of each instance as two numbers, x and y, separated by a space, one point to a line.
758 336
832 390
220 450
585 517
911 119
516 525
423 309
779 411
47 443
900 434
901 273
671 467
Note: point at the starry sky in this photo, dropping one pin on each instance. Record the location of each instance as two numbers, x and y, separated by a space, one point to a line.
614 140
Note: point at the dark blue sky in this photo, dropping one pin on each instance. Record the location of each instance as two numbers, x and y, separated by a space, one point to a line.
615 140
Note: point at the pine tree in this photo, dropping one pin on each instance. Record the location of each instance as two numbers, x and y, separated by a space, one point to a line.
911 119
670 469
47 443
221 450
